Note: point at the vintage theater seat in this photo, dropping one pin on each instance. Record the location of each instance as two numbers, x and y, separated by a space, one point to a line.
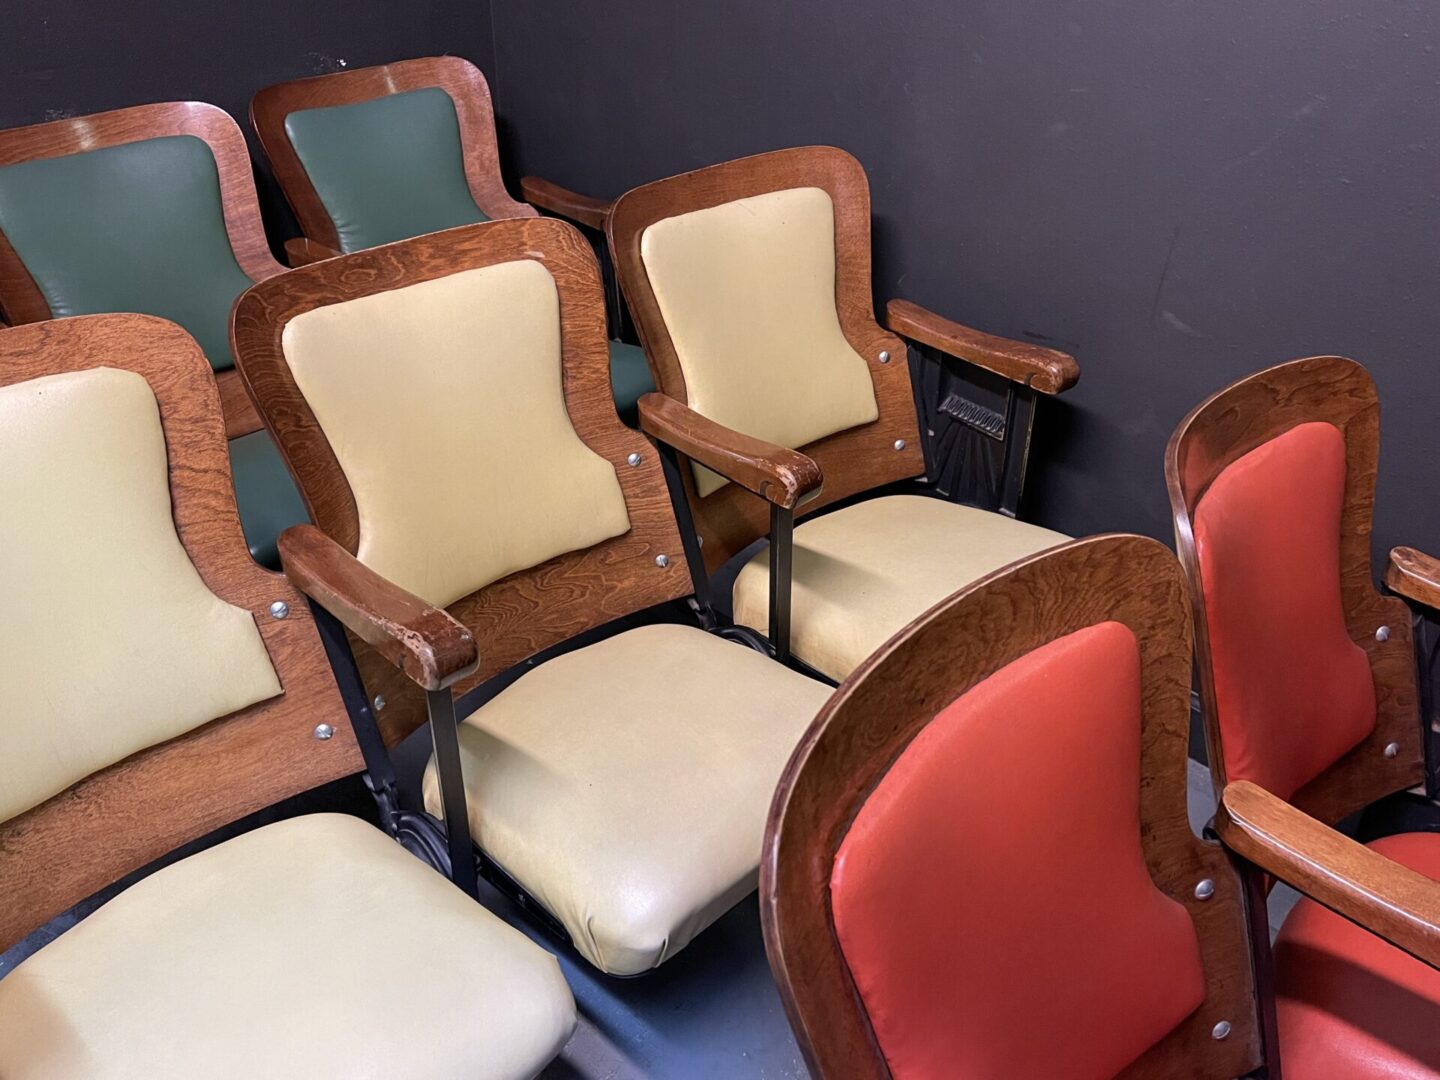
979 863
1308 680
150 209
160 685
373 155
750 285
444 404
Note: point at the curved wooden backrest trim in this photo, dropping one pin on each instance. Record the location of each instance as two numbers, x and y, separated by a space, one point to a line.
853 460
890 698
1226 427
22 300
455 75
126 816
19 295
532 609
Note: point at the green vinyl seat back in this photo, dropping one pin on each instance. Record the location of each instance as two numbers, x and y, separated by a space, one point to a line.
388 168
136 227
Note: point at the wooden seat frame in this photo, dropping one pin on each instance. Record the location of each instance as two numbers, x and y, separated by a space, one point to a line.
126 816
854 461
21 299
895 694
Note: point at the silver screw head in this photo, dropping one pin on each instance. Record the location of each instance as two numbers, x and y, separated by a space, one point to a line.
1220 1030
279 610
662 561
324 732
379 702
1382 634
1392 749
1205 890
884 356
899 444
633 460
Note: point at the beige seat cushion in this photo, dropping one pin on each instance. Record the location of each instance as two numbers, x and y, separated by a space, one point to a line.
316 947
862 573
625 785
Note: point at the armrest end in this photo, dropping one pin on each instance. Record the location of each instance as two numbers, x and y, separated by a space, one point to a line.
1390 900
427 643
1047 370
1414 575
586 209
783 477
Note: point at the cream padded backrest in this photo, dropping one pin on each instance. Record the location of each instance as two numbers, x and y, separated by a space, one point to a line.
747 291
111 642
445 407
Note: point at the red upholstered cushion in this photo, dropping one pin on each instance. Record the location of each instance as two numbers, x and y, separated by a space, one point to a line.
991 897
1294 693
1349 1004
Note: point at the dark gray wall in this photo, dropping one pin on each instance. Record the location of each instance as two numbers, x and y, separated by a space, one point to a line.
1177 192
61 58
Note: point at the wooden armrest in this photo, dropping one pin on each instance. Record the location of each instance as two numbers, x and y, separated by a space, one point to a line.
1047 370
784 477
1414 575
1390 900
302 251
425 642
585 209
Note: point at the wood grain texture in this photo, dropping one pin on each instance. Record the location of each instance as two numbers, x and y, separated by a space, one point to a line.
587 210
1226 427
1047 370
21 298
1414 575
432 649
528 611
852 461
458 77
300 251
889 700
780 476
240 415
1390 900
128 815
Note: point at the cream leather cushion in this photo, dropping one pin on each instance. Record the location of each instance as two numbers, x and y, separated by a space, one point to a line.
313 948
864 572
747 291
111 642
445 407
625 785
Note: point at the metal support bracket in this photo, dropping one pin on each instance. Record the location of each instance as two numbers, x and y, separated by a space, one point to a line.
1019 424
445 737
703 602
379 769
782 550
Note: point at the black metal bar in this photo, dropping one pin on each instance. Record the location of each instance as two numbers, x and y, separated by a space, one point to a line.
445 736
379 769
782 536
1426 644
1019 423
689 538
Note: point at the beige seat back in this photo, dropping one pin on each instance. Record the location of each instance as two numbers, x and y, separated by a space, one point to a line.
750 285
462 371
153 694
445 404
747 290
93 570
